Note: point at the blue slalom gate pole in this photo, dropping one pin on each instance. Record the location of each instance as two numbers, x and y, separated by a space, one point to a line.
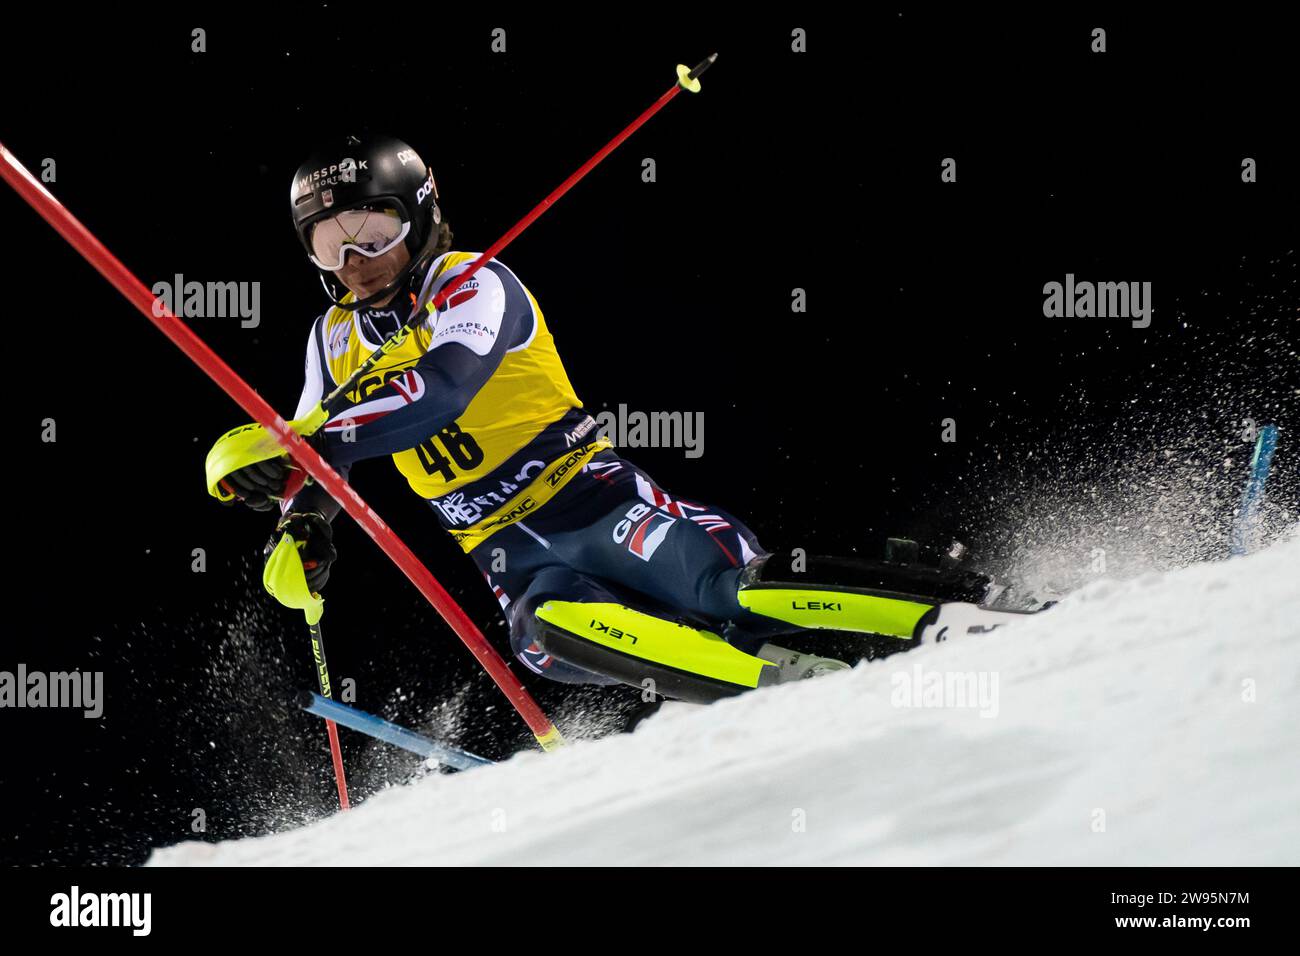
1253 494
388 731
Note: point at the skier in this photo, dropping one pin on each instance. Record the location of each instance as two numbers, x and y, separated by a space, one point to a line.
603 576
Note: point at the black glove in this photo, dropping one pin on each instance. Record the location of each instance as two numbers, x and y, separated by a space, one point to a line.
258 484
262 483
315 540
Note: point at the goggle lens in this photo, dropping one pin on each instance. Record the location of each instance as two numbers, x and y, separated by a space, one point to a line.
371 232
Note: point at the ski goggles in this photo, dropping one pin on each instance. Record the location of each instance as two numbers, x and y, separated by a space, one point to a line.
371 232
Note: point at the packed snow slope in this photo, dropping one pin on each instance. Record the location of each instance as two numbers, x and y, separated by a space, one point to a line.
1148 721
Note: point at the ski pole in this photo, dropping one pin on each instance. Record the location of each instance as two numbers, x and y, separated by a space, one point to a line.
285 578
323 678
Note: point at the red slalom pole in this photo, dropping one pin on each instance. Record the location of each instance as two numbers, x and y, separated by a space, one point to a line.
81 239
331 728
337 753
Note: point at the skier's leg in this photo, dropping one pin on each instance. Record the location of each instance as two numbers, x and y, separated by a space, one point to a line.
522 572
576 626
683 555
702 561
688 558
556 583
577 629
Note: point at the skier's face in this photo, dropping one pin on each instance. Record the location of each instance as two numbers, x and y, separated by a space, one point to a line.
365 276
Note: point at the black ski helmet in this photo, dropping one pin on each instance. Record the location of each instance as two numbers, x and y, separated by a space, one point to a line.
357 171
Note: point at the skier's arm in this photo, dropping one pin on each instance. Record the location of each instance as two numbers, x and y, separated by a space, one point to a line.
313 498
485 317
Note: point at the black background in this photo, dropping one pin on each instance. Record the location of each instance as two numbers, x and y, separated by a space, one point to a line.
818 171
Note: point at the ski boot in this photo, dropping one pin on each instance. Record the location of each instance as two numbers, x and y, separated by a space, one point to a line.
793 665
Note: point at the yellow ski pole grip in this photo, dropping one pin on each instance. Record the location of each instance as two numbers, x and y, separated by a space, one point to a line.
286 581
